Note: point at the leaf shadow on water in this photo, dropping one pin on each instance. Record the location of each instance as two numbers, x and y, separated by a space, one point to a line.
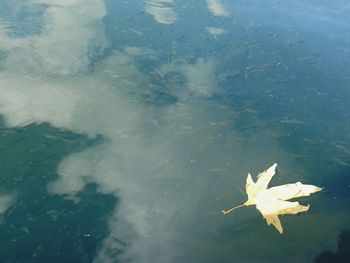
38 226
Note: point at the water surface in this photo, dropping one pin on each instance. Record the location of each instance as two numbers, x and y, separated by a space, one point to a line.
127 126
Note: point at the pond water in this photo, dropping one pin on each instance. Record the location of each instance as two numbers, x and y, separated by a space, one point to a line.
126 127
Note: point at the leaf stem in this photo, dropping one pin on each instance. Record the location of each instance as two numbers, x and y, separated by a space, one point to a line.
232 209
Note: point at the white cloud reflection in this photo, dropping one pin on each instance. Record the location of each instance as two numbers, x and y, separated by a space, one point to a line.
6 201
138 51
215 31
217 8
57 51
161 10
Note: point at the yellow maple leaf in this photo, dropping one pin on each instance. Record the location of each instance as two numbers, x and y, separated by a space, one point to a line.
271 202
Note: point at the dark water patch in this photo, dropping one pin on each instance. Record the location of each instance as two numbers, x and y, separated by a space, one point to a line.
336 180
42 227
342 255
303 106
125 24
21 18
187 37
96 54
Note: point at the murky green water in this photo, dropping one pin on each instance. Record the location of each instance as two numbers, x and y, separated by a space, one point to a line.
128 126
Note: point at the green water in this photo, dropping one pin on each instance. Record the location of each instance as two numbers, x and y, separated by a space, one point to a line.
40 227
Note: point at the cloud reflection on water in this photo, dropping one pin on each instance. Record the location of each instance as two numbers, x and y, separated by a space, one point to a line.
217 8
6 200
161 10
174 168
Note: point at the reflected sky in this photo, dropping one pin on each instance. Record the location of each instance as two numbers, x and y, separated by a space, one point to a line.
180 100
